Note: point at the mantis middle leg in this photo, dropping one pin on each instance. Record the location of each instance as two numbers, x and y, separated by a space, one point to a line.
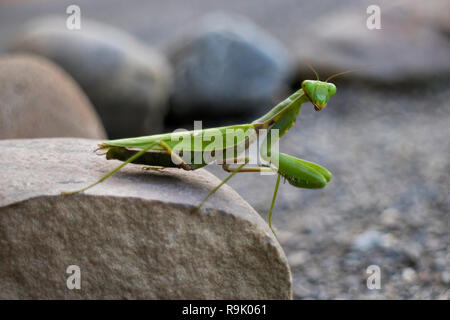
240 168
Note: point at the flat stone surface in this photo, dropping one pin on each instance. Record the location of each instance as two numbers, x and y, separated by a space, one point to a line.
133 236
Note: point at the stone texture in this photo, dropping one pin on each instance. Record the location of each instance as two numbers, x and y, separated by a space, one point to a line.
38 99
225 65
127 81
133 236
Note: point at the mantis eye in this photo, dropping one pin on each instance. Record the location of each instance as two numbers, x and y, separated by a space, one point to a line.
309 86
331 89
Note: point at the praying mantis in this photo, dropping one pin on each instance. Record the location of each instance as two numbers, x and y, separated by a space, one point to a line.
162 150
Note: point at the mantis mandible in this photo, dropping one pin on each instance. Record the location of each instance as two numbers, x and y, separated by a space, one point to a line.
159 152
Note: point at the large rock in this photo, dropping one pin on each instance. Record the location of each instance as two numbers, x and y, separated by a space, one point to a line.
225 66
133 236
38 99
433 14
405 49
128 82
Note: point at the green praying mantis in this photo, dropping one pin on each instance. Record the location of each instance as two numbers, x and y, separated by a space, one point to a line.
161 151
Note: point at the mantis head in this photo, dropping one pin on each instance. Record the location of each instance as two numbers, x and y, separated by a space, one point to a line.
318 92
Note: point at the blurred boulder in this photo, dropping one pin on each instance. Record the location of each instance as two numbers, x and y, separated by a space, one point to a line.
405 49
38 99
225 66
433 13
134 236
127 82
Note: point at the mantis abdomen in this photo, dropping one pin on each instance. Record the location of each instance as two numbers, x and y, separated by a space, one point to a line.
151 158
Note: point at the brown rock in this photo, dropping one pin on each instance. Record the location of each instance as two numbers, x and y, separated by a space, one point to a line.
127 81
38 99
133 236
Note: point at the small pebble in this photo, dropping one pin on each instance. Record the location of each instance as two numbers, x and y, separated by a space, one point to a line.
445 276
409 275
389 217
297 258
367 240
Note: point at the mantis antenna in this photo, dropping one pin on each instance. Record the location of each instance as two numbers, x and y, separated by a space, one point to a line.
344 72
313 70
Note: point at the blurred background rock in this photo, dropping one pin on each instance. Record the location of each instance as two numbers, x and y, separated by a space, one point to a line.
127 81
30 89
225 67
385 135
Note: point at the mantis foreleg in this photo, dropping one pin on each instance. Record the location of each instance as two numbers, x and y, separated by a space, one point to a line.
298 172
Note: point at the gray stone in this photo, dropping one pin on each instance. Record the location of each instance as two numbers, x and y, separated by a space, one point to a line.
409 275
128 82
405 49
225 66
390 217
367 240
433 13
445 276
38 99
133 236
298 258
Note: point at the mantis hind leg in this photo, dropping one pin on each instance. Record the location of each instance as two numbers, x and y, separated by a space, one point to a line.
129 160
